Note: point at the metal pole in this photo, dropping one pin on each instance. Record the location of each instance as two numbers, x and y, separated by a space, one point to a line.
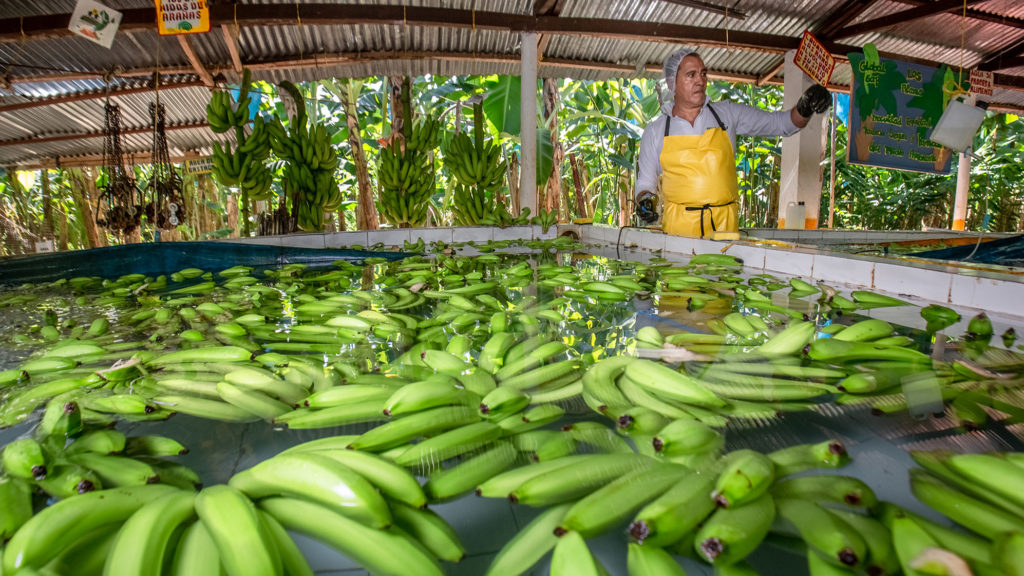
528 124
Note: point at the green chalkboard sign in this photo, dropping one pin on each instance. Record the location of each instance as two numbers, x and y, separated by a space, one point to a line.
893 109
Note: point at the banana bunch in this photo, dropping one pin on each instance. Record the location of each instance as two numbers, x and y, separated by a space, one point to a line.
476 161
476 164
311 161
424 135
406 179
245 167
545 219
471 208
224 115
479 171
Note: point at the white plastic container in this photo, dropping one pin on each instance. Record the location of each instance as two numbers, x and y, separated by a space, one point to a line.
795 215
958 125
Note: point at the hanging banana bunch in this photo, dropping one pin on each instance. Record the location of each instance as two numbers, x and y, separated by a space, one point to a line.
245 167
479 171
405 172
309 176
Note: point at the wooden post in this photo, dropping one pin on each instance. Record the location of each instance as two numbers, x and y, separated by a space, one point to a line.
83 186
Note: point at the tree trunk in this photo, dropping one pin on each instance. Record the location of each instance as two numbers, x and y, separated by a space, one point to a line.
366 210
395 101
551 195
83 192
577 180
47 231
62 221
233 215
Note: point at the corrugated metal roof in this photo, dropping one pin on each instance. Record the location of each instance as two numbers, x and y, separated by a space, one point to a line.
63 64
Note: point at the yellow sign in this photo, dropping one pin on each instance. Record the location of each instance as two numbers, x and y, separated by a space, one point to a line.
813 58
182 16
199 165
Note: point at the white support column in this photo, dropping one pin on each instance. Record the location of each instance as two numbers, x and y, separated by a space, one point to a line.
528 124
963 186
801 153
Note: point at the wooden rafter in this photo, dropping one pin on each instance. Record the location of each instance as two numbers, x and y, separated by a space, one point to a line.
94 95
975 14
771 73
924 11
32 140
1009 58
193 58
16 29
90 160
709 7
844 14
230 33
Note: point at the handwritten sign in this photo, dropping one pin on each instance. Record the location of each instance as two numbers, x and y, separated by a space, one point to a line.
814 59
182 16
199 165
982 82
893 109
95 21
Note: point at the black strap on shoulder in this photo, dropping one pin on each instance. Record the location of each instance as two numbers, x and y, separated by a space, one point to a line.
668 120
717 119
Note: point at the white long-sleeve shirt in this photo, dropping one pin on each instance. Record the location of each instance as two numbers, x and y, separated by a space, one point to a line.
738 119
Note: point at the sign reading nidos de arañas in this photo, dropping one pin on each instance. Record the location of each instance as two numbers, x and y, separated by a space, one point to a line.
182 16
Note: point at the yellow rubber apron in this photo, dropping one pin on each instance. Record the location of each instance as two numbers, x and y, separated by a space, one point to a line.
698 182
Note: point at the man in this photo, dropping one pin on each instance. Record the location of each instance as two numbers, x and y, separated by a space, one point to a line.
691 148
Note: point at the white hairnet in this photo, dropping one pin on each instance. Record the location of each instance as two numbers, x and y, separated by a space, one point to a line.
668 71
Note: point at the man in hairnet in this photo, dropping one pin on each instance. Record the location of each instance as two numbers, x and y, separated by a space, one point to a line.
690 148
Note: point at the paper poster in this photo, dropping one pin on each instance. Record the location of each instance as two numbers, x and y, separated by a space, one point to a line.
893 109
95 22
182 16
814 59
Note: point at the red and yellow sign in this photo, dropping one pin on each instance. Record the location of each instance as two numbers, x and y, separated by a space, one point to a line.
813 58
182 16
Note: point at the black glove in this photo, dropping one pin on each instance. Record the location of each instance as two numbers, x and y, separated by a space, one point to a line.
815 100
645 210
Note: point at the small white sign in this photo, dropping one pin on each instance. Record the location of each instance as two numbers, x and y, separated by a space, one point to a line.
982 82
95 21
44 246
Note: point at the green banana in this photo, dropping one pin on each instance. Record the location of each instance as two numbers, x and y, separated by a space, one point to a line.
432 531
447 484
383 552
319 478
731 534
56 527
824 532
845 490
651 561
618 500
144 540
233 523
572 557
803 457
745 477
553 487
676 512
196 553
24 458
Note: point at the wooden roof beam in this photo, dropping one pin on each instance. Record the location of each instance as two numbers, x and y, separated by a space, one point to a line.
1009 58
230 34
94 95
771 73
923 11
91 160
33 140
976 14
193 58
709 7
844 14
